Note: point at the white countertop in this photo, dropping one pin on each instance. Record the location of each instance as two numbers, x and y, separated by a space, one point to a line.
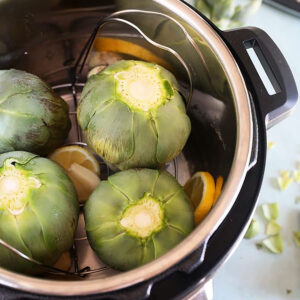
256 274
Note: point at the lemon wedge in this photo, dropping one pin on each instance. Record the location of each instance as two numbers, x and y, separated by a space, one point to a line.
201 190
128 48
64 262
82 168
219 185
84 180
66 156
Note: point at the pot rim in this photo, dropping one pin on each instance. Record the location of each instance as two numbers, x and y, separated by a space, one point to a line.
209 224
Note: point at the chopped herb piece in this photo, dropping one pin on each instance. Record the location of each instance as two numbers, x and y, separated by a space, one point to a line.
259 245
297 238
297 201
273 244
288 291
253 229
270 210
284 180
273 228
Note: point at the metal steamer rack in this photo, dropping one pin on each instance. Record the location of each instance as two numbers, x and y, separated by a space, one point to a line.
74 88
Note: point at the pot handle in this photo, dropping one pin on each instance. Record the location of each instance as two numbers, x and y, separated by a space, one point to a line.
273 107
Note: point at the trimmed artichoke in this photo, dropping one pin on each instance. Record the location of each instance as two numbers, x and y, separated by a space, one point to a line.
38 210
225 13
136 216
133 115
32 117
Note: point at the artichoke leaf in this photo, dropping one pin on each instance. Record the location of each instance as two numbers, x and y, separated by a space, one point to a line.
110 132
106 204
177 212
32 234
107 231
10 233
165 186
145 139
123 251
170 119
145 179
148 251
32 116
23 131
97 93
166 239
57 219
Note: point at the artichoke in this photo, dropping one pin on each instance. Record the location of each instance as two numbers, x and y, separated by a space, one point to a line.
32 117
225 14
38 210
133 115
136 216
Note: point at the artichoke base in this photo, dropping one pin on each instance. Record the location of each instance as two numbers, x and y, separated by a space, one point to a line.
141 87
15 186
143 218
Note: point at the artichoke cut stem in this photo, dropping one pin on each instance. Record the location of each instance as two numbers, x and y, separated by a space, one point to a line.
143 218
140 88
15 186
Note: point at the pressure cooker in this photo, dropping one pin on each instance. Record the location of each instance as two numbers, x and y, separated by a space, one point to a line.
228 104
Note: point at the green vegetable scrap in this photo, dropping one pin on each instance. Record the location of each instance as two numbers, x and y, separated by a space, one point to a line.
284 180
32 117
136 216
297 200
38 210
296 176
253 229
270 211
297 238
225 14
133 115
270 145
259 246
273 244
272 228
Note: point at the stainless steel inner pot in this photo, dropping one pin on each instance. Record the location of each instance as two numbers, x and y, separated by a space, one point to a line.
47 39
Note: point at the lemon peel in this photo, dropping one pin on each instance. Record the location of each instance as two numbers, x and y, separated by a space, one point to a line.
201 190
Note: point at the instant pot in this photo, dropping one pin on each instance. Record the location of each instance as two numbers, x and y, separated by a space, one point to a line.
228 104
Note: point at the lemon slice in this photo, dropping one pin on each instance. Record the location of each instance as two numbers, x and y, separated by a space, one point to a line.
219 185
82 168
64 262
66 156
128 48
201 190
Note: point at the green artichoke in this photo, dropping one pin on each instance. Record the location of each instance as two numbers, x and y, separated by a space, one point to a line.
38 210
136 216
225 14
32 117
133 115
